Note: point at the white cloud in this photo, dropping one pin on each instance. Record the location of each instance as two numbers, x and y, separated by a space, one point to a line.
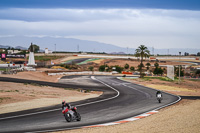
122 27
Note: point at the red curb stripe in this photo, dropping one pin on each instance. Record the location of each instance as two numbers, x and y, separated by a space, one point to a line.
140 117
122 122
152 113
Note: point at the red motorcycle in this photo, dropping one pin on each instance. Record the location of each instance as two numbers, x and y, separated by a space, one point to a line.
71 114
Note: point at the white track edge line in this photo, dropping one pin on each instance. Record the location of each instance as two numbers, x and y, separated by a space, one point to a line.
154 110
93 78
131 118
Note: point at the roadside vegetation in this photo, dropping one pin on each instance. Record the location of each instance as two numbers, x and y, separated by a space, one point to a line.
146 78
142 52
4 98
106 68
47 57
2 69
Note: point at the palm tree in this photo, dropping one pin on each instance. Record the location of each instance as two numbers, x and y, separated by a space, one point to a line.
142 52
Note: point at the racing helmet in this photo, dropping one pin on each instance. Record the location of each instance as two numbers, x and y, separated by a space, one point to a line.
63 102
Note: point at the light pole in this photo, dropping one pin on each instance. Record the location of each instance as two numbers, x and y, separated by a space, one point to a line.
179 68
55 49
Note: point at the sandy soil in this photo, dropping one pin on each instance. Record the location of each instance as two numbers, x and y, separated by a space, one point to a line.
181 60
18 96
186 88
37 75
98 61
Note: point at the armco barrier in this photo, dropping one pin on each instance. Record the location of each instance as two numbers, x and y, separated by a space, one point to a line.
80 73
127 72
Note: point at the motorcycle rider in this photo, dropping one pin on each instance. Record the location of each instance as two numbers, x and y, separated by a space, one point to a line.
158 93
64 104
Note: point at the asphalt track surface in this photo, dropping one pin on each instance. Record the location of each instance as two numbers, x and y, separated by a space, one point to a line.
77 61
120 100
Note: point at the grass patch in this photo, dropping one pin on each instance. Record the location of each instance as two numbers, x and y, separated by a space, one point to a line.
87 91
160 78
47 58
79 90
68 61
170 88
196 80
89 60
9 90
4 98
69 89
2 69
34 84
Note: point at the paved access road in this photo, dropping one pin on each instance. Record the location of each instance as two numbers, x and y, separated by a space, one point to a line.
120 100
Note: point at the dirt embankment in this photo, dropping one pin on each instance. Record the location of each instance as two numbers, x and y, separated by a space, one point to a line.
185 88
31 75
18 96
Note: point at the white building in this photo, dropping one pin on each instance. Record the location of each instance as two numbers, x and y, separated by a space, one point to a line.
13 51
47 51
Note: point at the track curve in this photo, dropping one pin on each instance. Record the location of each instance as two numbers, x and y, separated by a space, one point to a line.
120 100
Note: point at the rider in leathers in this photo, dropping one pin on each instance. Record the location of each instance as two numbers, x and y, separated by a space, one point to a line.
64 104
158 92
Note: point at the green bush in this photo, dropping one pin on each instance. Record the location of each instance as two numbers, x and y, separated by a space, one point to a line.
102 68
126 66
91 68
197 72
158 70
119 69
132 68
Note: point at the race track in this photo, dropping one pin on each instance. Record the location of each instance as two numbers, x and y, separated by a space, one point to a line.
120 100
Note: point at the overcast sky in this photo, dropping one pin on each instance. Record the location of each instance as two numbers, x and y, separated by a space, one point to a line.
125 23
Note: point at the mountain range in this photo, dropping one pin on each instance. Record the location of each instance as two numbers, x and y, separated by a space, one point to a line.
76 45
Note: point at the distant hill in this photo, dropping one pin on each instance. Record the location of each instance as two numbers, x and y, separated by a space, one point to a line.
4 46
20 47
17 47
62 44
76 45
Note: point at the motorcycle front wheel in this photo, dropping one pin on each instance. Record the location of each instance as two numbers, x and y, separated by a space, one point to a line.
159 100
68 117
78 117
